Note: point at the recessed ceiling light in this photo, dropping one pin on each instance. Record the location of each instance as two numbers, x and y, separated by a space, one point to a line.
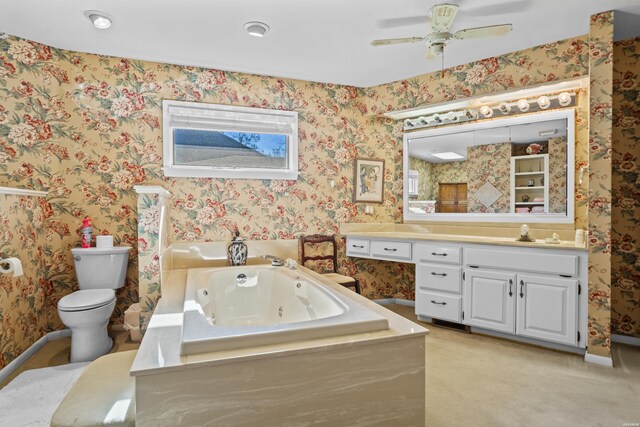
98 19
256 29
449 155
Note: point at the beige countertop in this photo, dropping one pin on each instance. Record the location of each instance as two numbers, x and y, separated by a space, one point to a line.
461 238
160 347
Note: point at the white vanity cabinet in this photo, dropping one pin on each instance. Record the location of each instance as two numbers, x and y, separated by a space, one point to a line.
438 281
547 308
489 299
533 294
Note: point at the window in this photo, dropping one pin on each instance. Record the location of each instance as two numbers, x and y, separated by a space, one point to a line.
413 182
223 141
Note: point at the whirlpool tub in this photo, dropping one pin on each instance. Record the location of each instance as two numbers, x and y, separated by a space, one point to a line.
234 307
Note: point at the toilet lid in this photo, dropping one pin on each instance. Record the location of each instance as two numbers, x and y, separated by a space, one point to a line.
86 299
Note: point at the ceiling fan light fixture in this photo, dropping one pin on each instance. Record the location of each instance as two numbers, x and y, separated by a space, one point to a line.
256 29
436 49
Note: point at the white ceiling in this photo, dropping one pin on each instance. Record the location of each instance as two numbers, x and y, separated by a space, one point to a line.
314 40
423 148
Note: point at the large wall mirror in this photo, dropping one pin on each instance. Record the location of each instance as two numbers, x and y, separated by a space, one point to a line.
517 169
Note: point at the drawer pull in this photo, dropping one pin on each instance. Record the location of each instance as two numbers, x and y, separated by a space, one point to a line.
433 273
359 247
521 289
391 249
439 254
439 303
510 284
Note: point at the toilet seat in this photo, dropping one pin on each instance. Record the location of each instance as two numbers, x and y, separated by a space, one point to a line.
87 299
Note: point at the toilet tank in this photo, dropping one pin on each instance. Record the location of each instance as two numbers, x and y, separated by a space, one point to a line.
101 268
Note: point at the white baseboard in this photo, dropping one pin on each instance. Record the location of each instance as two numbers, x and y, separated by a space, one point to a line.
399 301
626 339
25 355
600 360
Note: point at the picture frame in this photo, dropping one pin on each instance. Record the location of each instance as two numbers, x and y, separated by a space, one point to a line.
368 180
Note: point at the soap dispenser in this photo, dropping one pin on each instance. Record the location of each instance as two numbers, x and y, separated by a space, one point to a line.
237 251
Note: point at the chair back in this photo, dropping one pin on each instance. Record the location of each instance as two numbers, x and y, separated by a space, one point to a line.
307 242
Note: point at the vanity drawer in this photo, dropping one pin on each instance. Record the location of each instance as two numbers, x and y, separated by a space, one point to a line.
531 260
429 252
439 277
357 246
440 306
391 249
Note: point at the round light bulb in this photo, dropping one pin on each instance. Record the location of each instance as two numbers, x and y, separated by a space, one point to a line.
523 105
504 108
452 116
408 123
564 99
99 21
544 102
486 111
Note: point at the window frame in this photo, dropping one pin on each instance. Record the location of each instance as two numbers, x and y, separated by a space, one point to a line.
224 118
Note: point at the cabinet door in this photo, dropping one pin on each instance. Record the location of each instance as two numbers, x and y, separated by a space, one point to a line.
547 308
489 300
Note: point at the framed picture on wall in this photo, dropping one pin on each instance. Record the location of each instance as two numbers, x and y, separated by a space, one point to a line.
368 180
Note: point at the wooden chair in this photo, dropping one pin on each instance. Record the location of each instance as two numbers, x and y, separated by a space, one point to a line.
319 239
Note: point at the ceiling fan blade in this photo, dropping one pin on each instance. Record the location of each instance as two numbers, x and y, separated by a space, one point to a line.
384 42
491 30
402 21
442 16
504 8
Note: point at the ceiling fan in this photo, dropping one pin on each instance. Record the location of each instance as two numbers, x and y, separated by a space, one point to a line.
442 17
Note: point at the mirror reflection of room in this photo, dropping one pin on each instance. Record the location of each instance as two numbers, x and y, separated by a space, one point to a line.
519 169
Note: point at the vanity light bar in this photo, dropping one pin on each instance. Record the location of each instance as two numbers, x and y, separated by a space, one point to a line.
543 102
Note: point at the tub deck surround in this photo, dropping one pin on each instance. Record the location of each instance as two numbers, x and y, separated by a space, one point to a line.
235 307
181 255
342 380
160 348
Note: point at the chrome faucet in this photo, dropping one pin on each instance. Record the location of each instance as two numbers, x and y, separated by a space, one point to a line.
275 261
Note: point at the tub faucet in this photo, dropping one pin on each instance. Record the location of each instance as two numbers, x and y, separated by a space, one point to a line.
275 261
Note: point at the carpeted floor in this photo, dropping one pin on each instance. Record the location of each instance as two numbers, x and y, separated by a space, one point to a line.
475 380
33 396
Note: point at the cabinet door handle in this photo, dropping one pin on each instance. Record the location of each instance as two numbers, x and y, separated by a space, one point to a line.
439 303
439 254
359 247
510 285
521 288
391 249
433 273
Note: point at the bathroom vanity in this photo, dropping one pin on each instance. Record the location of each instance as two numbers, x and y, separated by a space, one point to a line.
533 292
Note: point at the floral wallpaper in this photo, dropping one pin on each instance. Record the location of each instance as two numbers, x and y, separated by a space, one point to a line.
489 163
25 311
425 180
87 128
625 210
557 175
600 140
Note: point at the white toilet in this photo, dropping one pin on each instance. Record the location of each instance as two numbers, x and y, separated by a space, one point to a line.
86 312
